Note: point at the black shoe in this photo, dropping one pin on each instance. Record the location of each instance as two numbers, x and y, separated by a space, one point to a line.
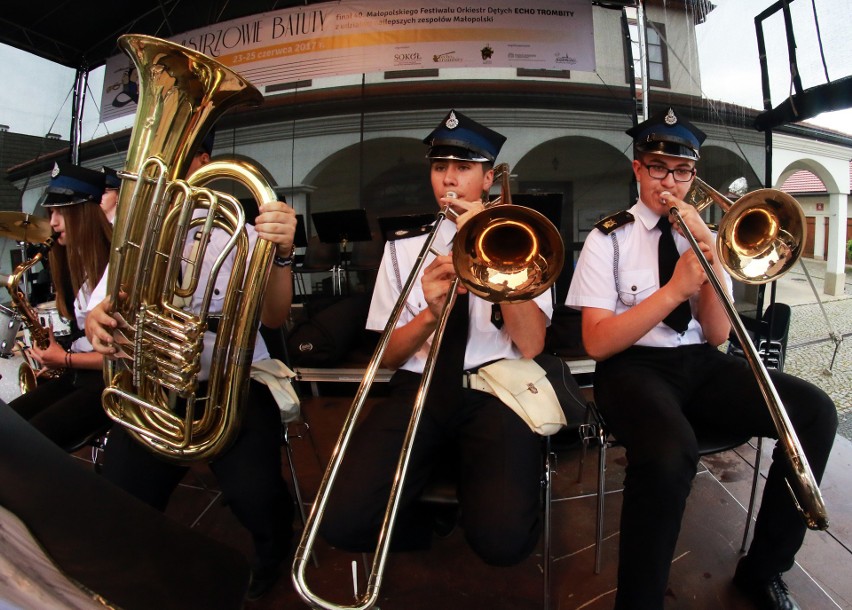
262 580
770 594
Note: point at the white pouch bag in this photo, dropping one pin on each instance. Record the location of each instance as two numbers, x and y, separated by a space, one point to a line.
278 378
522 385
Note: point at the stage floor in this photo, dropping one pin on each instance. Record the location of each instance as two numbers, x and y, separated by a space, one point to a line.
450 576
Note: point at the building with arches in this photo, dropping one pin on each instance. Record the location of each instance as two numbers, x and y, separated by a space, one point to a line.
354 142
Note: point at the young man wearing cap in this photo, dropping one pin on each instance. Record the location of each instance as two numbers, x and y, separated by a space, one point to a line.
499 457
660 380
66 406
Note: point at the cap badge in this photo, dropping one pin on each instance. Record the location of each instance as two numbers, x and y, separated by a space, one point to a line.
670 119
452 121
55 172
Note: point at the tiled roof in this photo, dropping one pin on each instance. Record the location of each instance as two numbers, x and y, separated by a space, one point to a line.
14 149
804 181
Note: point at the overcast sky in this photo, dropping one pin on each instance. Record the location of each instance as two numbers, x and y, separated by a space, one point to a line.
730 66
36 94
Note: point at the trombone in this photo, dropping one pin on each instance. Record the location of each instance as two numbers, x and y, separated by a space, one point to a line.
505 253
759 239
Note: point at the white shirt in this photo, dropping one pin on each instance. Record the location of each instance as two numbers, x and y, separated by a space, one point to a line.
218 239
594 284
485 342
81 308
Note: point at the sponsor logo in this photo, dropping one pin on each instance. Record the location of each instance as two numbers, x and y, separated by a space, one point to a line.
446 58
407 59
487 52
565 59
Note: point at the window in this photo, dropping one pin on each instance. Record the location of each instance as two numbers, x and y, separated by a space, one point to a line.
658 73
657 57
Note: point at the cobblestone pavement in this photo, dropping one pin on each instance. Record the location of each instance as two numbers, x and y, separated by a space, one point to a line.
812 353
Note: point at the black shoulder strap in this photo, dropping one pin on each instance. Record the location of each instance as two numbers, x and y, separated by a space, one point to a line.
613 221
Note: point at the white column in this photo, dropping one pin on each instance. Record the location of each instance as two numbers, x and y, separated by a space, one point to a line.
835 277
819 236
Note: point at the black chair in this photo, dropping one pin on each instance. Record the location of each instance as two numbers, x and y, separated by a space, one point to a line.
596 430
770 334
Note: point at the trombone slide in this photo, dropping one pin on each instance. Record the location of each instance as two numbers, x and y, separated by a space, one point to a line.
802 485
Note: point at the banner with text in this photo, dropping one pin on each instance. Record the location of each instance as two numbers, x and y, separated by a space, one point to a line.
359 36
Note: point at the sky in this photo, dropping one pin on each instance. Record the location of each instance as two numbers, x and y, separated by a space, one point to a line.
36 95
730 66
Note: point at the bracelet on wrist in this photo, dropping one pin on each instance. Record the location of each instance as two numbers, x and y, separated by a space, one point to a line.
284 261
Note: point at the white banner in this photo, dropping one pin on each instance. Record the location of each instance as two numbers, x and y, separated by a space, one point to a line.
358 36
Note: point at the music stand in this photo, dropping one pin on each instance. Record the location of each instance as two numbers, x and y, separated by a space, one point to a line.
342 227
393 226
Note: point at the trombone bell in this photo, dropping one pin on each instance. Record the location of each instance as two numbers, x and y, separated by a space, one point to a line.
508 254
761 236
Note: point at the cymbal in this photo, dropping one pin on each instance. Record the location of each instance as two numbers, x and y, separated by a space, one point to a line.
24 227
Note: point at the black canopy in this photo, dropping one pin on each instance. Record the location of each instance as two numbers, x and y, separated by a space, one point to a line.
83 33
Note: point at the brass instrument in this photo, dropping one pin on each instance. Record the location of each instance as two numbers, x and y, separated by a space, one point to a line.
27 375
181 94
505 253
759 239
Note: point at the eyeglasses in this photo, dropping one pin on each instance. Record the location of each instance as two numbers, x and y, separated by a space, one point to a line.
659 172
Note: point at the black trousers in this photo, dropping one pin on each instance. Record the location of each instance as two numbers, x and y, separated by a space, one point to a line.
656 402
67 410
248 472
499 474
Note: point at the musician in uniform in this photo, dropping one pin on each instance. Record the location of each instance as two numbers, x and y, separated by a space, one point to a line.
65 406
660 380
498 456
112 183
249 471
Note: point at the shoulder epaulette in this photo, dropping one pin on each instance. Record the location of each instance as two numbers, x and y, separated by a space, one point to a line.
406 233
613 221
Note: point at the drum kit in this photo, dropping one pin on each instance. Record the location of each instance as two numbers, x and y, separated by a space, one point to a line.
26 230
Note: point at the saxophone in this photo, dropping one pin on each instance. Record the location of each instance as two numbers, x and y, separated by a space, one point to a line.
27 372
181 94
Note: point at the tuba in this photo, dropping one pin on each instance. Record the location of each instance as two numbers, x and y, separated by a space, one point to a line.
181 94
504 253
30 371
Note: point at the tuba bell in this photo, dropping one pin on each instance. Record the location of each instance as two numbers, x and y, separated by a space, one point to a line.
181 94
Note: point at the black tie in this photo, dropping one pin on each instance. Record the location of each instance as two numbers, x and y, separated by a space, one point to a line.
449 364
667 256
